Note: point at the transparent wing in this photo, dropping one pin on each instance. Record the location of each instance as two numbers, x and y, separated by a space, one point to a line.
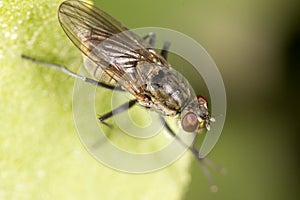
105 41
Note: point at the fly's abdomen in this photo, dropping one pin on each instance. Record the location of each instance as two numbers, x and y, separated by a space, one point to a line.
98 72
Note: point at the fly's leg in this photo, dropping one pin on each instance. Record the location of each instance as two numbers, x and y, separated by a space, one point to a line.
70 73
165 49
119 109
203 161
102 118
151 37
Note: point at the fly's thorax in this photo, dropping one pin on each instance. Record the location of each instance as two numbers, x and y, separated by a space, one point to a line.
166 88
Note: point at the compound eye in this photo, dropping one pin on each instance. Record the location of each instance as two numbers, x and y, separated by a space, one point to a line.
189 122
202 101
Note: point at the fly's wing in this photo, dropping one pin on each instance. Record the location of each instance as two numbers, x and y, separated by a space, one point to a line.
106 42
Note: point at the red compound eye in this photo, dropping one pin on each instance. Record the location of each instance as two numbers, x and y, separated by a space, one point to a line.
201 100
189 122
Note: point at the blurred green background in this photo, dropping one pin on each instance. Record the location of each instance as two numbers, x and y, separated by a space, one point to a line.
256 46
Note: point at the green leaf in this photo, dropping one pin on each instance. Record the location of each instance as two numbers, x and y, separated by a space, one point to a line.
41 154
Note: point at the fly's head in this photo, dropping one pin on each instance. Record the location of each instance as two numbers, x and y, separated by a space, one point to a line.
196 119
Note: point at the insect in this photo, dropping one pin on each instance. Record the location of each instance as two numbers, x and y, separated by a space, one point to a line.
119 59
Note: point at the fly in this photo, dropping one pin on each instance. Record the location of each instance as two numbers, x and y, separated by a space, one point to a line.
120 59
126 60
